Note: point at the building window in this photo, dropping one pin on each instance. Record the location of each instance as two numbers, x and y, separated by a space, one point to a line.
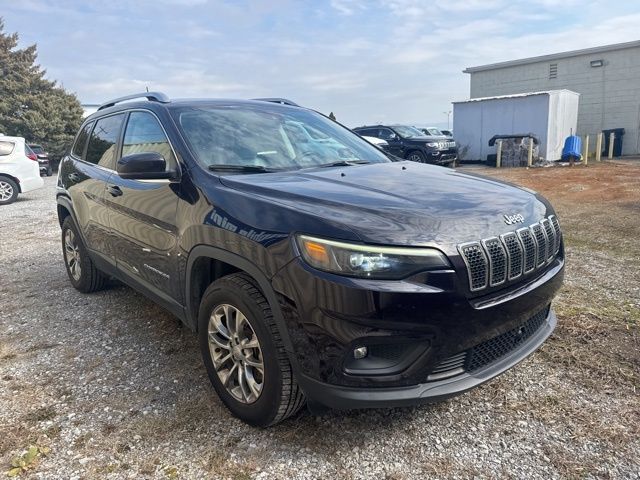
553 70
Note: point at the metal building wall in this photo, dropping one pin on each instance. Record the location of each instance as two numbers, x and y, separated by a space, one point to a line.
609 95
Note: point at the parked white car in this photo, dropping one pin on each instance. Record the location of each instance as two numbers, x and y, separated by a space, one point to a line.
378 142
18 173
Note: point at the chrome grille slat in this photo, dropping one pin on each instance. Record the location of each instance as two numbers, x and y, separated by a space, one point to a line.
496 260
551 238
530 249
556 227
515 254
541 240
476 261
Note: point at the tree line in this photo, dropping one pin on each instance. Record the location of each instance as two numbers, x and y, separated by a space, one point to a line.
32 106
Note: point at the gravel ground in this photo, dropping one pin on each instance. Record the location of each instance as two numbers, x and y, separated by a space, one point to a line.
109 385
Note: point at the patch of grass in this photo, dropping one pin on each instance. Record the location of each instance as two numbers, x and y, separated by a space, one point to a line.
26 461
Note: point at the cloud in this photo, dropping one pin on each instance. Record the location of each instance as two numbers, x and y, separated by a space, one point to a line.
391 60
347 7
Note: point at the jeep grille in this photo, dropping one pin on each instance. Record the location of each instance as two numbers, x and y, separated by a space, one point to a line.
494 261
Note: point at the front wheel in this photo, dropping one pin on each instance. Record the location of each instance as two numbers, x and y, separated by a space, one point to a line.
8 191
83 274
244 353
416 156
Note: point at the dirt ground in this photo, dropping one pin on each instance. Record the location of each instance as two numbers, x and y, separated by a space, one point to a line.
109 385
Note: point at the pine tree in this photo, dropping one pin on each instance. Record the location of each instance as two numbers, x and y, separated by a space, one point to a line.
30 105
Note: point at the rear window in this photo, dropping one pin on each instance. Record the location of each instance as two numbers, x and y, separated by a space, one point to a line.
81 141
102 144
6 148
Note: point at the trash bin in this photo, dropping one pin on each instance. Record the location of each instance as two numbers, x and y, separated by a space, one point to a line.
572 148
617 141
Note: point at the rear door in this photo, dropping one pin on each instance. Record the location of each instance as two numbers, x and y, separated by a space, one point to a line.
85 178
142 213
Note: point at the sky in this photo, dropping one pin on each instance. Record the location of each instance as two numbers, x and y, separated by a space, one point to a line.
374 61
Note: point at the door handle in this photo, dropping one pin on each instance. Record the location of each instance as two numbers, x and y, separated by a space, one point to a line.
74 177
114 190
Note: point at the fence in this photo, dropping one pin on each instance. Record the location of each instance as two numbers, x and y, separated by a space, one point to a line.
586 149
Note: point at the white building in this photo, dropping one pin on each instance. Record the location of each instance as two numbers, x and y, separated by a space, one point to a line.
549 116
607 79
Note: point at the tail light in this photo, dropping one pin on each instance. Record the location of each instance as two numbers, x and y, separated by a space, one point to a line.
32 156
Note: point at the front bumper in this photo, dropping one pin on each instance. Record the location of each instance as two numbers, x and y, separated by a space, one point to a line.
412 328
444 156
340 397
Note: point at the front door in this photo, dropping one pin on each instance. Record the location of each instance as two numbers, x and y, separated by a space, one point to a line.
395 144
143 213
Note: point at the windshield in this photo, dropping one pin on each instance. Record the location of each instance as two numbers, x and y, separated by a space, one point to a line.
270 136
434 131
37 148
408 132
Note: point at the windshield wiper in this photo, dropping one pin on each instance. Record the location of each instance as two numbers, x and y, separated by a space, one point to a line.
239 168
343 163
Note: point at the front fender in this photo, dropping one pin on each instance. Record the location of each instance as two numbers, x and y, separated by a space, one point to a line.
241 263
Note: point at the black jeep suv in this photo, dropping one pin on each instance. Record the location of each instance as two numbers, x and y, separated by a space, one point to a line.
413 144
322 272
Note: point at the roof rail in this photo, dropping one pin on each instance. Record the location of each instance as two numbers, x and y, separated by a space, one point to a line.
282 101
151 96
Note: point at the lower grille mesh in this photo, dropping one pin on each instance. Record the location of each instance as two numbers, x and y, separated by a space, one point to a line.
488 352
496 348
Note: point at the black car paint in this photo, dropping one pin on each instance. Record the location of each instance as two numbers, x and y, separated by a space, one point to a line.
159 236
402 147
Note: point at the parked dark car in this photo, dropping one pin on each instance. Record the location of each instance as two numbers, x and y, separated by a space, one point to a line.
43 159
337 277
412 144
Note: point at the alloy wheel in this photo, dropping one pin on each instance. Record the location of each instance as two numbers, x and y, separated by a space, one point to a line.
72 254
6 191
236 353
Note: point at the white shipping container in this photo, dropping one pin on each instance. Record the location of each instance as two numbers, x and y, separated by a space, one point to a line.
550 116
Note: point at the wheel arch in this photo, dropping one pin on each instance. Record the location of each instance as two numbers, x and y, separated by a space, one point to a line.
13 179
409 151
206 264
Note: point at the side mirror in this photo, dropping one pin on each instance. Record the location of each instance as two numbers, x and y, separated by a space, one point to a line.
144 166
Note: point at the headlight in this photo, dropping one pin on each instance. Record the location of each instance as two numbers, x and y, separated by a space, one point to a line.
431 144
368 261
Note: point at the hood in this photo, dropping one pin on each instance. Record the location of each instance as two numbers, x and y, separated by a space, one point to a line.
399 203
425 138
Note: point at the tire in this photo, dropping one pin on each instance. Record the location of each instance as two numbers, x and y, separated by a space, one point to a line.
416 156
83 274
8 191
236 297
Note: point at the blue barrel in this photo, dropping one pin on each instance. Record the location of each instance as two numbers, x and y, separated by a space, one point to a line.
572 147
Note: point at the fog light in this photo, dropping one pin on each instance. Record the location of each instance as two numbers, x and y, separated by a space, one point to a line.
360 352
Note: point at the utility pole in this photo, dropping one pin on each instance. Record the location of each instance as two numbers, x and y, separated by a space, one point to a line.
448 114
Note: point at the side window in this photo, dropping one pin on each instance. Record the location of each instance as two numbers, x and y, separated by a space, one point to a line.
102 143
144 134
385 134
368 132
81 141
6 148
